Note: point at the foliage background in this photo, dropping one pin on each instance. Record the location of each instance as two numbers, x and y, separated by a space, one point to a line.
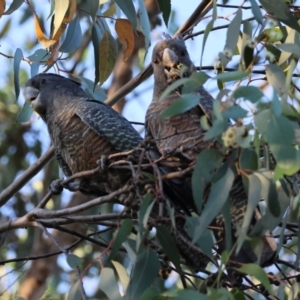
22 143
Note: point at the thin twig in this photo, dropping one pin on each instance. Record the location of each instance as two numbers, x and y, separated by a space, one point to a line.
51 237
45 200
82 291
72 232
29 220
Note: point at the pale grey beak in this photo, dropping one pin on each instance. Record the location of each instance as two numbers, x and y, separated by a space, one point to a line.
170 63
30 93
169 58
32 96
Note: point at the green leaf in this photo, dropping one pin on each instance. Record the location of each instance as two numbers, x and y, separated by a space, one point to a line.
5 28
207 31
292 38
248 56
73 260
145 271
276 78
88 86
269 192
254 197
233 31
73 37
287 168
226 212
276 52
147 214
122 273
280 135
231 76
219 126
258 273
276 105
261 120
204 122
250 93
281 11
169 246
17 60
122 234
256 11
91 7
217 108
196 80
144 208
216 200
269 221
206 242
152 293
191 295
185 103
128 9
34 68
235 112
172 87
96 38
248 159
25 113
206 163
13 6
40 55
108 52
75 292
130 246
291 48
145 23
165 8
238 295
108 284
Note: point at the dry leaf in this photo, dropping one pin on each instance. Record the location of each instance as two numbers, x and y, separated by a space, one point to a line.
40 34
2 7
126 36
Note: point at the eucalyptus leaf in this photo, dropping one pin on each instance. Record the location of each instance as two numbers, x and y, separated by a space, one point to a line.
17 60
122 234
108 284
145 271
183 104
25 113
250 93
169 246
73 260
233 31
128 9
216 200
165 8
258 273
73 37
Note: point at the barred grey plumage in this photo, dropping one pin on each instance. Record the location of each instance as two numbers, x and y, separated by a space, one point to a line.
181 137
82 130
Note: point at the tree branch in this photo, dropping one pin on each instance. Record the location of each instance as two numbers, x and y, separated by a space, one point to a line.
12 189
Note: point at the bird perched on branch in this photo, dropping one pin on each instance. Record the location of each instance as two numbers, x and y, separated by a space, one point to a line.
82 130
180 137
